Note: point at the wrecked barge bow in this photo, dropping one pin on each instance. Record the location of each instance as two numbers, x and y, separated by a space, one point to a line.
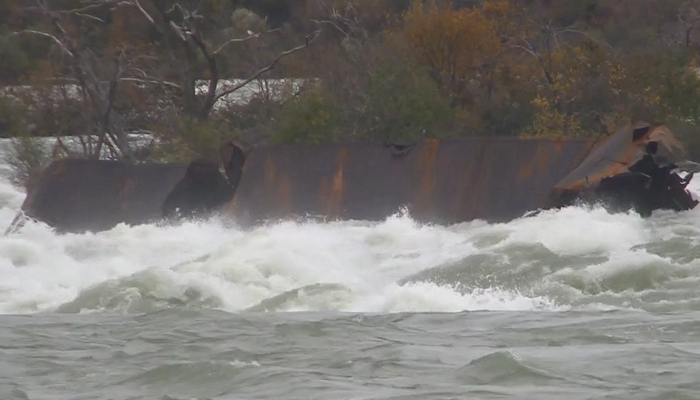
438 181
636 168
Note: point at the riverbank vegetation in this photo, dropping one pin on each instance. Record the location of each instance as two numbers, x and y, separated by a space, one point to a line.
190 74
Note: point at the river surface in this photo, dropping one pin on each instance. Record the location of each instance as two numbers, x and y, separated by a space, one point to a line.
572 304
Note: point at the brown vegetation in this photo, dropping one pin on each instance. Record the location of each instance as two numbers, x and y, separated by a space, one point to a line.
381 70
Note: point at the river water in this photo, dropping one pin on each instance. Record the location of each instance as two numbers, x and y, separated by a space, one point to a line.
571 304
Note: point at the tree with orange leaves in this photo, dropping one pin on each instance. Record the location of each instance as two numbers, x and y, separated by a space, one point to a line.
459 46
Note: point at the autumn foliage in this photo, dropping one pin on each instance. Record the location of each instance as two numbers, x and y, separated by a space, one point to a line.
381 70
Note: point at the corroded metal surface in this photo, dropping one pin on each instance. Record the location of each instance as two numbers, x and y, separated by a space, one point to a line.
619 152
77 194
632 169
444 181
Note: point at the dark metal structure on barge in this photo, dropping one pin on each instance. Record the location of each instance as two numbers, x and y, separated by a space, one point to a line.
437 181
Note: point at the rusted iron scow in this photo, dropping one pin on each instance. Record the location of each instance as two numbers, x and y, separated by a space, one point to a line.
75 195
439 181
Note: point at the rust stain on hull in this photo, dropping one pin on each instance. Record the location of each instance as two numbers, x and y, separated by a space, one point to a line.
446 181
76 194
332 197
438 181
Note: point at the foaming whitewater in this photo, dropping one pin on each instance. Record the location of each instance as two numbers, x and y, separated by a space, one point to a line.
574 258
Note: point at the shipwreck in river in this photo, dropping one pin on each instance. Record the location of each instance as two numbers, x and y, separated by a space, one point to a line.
437 181
637 168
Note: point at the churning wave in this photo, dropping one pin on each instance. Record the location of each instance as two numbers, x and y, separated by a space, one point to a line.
570 259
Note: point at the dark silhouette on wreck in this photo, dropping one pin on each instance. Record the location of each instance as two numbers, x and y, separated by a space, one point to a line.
438 181
635 169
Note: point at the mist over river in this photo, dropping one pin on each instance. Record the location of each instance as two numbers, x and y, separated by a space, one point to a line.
570 304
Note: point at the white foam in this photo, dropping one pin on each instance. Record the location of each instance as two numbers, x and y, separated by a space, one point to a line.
428 297
577 230
244 364
362 263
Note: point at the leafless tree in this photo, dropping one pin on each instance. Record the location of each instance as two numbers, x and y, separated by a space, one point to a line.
91 79
99 78
180 30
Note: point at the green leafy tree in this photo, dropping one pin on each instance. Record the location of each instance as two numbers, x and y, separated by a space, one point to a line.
311 117
404 104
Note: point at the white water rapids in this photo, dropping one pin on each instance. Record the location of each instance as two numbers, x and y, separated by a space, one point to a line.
573 258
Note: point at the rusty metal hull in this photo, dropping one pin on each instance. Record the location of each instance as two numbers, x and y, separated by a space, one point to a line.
443 182
91 195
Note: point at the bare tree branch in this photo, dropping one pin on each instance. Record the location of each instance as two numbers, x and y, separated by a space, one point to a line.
150 82
333 24
538 56
59 146
241 40
209 99
45 34
97 96
92 17
93 7
587 35
309 39
137 4
348 19
177 30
